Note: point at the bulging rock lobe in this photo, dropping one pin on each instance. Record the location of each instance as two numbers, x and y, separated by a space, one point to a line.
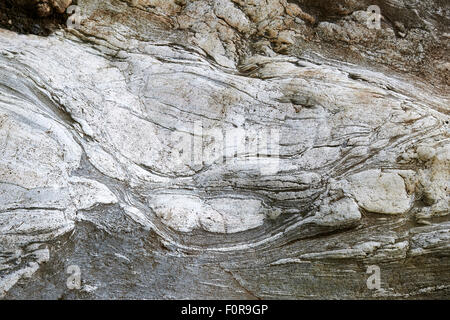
45 8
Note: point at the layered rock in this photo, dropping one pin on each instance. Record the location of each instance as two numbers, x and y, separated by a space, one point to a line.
225 148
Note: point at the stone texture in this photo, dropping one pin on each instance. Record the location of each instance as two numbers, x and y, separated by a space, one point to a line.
380 192
94 169
45 7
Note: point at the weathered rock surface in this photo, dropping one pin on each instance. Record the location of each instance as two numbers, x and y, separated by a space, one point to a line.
45 7
227 149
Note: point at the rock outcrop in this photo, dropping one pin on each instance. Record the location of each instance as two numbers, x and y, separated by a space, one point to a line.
45 8
227 149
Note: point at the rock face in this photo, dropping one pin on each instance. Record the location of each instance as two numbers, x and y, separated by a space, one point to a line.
45 8
228 149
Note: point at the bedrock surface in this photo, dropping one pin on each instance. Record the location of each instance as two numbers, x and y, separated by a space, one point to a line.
226 149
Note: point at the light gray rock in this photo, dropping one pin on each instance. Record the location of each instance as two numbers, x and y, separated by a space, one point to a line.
195 149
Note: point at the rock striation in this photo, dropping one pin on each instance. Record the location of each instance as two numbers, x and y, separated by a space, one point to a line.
238 149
